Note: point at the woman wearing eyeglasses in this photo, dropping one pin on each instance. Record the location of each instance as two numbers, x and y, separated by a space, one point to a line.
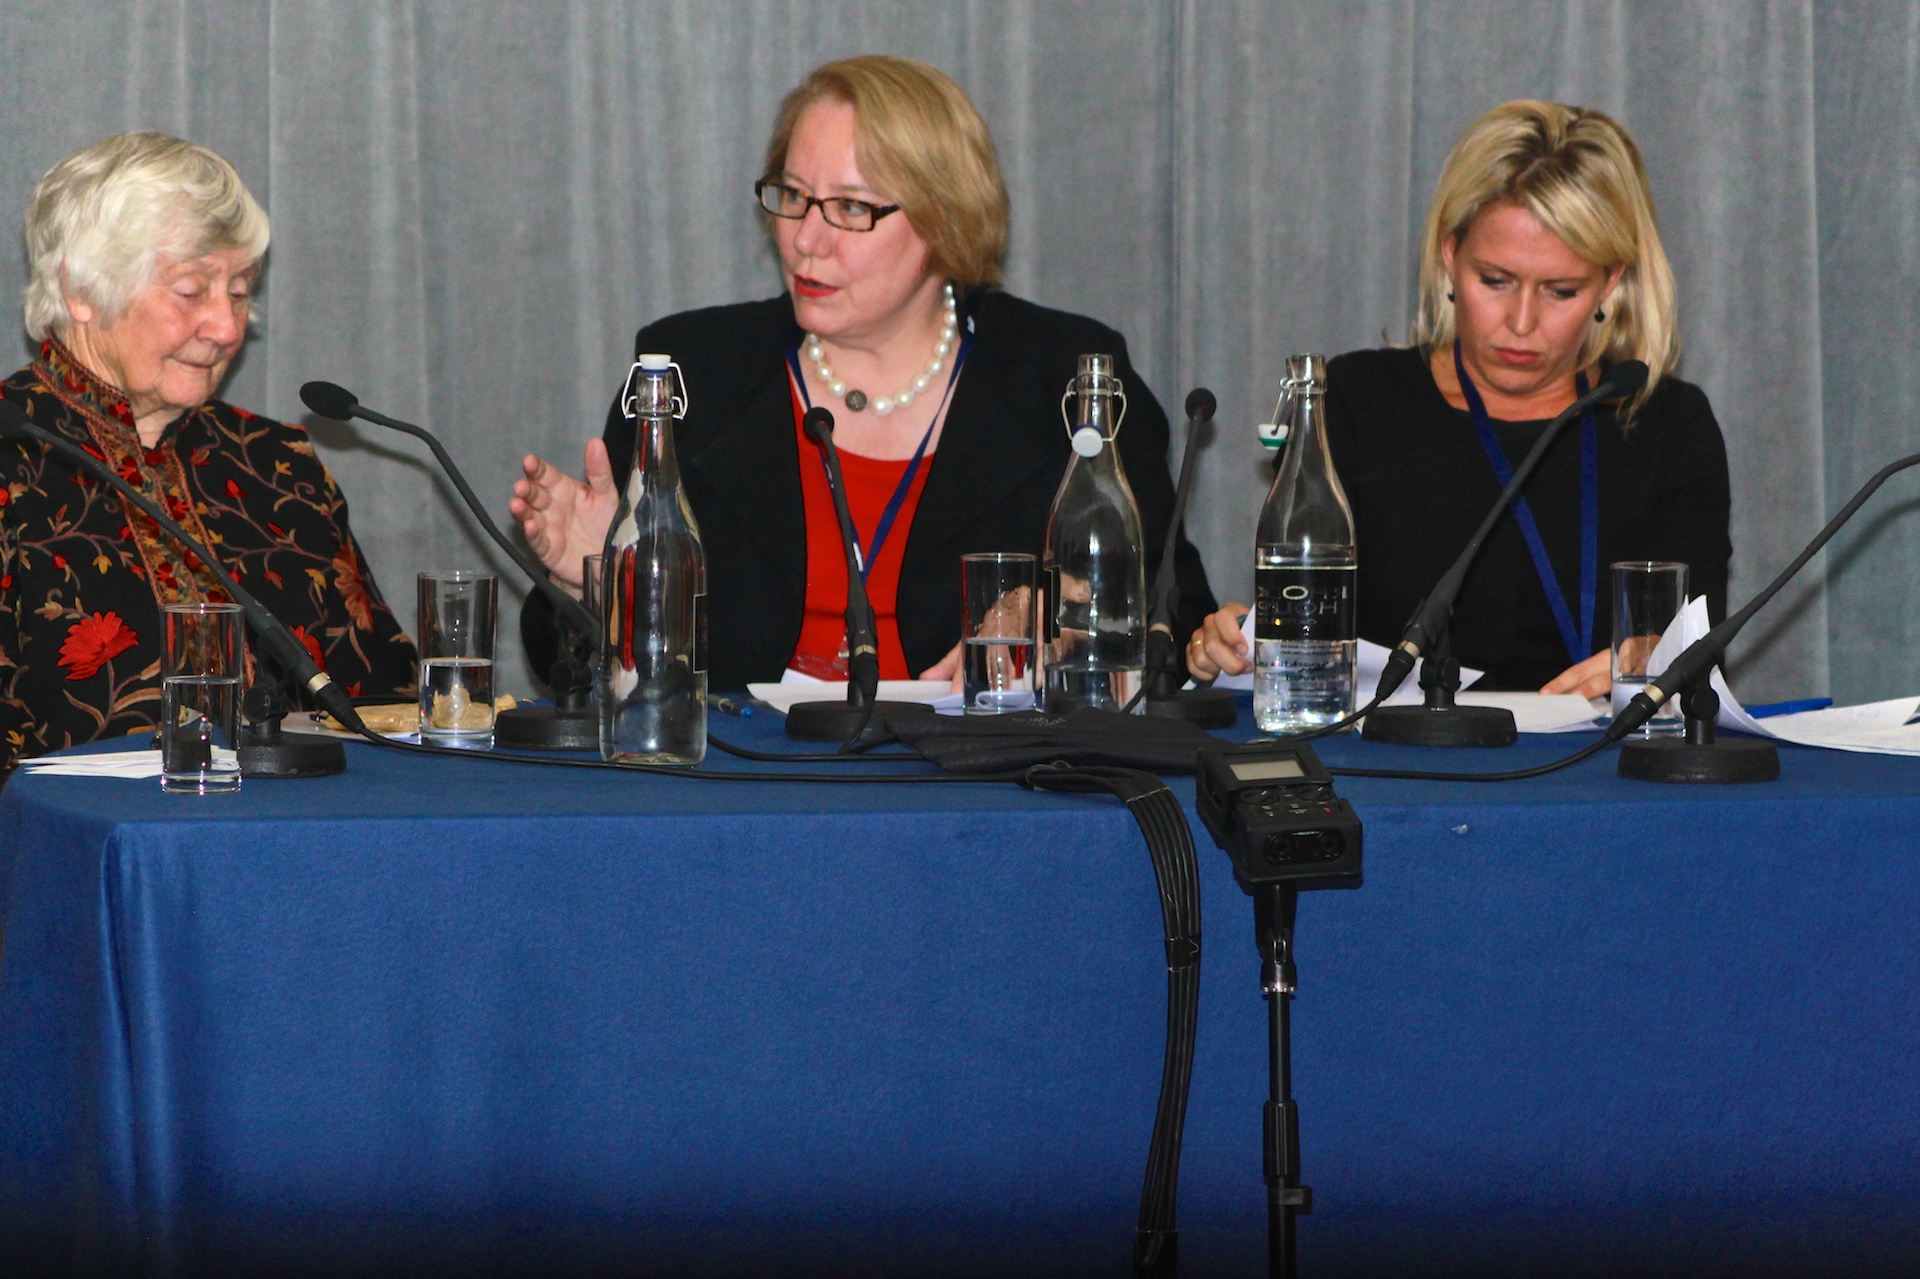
884 199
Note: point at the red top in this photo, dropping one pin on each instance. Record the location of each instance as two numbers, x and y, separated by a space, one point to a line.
870 485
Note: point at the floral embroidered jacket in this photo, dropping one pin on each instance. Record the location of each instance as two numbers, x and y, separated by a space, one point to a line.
82 582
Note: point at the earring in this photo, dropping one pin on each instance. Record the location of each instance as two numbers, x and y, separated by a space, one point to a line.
1449 295
1599 314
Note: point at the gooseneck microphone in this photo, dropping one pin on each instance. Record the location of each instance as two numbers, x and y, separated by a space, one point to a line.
1699 757
275 638
847 722
341 405
1430 619
863 641
1209 708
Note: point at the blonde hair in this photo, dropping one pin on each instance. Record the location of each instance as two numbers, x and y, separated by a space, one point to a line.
918 137
100 217
1581 175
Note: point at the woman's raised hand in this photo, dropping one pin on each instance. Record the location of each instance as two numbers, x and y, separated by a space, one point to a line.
1218 648
564 519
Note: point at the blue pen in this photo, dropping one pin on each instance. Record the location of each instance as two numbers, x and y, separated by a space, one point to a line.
1789 708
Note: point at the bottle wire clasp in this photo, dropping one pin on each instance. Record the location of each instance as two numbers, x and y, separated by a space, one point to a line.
652 364
1086 434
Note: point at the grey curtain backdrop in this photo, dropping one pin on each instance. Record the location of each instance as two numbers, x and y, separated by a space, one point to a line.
475 204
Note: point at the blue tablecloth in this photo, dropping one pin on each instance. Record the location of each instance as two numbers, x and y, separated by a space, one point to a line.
463 1016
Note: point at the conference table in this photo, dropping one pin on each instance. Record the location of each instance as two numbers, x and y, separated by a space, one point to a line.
457 1016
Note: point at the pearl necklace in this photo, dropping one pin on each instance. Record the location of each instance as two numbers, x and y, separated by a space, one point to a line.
856 399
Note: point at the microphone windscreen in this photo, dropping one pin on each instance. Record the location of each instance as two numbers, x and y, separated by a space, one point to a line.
1200 403
1627 377
328 400
818 424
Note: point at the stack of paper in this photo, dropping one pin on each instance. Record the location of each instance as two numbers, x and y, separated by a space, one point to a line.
795 687
132 764
1532 712
1877 728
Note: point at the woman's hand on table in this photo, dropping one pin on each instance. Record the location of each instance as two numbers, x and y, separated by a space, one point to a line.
564 519
1218 648
947 668
1591 678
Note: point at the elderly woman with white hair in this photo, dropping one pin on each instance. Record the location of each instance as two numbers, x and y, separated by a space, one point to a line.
1540 265
144 251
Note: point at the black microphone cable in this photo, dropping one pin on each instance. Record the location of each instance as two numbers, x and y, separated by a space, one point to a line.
1176 872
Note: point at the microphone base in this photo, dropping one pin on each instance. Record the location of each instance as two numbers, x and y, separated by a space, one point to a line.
547 728
837 721
1203 707
291 755
1442 726
1675 759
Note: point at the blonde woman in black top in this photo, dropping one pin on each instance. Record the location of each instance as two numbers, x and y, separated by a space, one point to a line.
1540 265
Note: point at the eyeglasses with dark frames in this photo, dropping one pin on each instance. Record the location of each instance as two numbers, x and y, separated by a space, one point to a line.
783 201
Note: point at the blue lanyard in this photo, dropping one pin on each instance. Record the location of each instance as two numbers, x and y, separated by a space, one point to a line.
1579 643
871 553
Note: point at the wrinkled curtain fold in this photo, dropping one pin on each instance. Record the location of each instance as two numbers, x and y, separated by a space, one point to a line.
475 205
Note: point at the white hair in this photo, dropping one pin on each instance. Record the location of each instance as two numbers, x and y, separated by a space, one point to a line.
100 218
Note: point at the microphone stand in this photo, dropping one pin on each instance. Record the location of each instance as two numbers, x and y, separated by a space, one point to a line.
1206 707
1439 722
571 724
263 750
1701 756
1273 915
849 722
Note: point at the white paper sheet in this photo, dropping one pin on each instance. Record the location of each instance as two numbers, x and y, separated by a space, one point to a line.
1876 728
795 687
130 764
1369 661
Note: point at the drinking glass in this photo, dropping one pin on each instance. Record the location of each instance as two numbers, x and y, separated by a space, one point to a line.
591 595
1647 598
996 598
200 674
456 621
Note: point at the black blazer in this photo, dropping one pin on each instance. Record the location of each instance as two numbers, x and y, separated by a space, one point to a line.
990 486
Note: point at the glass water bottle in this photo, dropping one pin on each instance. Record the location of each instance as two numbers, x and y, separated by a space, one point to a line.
1094 617
1305 627
653 669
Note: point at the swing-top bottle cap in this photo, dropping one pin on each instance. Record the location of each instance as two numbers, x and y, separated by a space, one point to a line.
1307 372
656 363
1088 442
